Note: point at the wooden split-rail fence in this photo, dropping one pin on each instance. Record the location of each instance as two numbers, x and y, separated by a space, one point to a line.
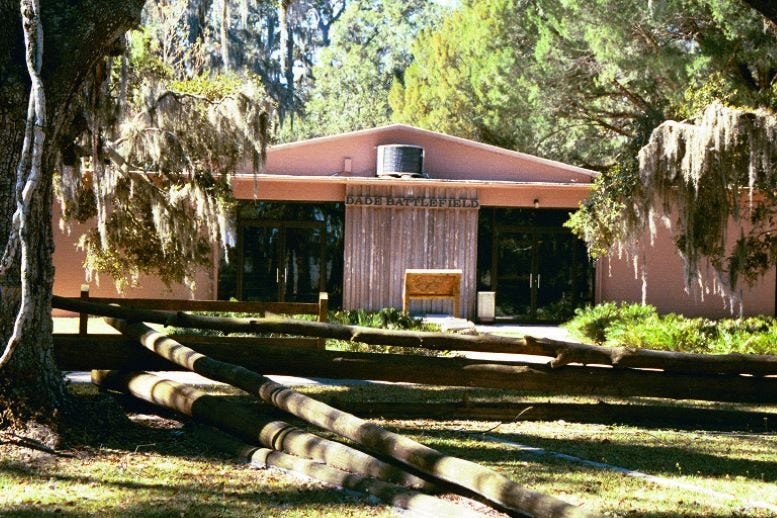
287 446
249 309
569 368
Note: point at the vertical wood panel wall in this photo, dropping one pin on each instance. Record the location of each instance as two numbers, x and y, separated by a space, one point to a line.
381 242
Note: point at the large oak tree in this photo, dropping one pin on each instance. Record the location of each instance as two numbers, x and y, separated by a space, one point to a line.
707 173
76 35
141 146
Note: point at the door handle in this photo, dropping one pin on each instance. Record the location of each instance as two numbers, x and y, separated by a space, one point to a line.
531 280
539 280
285 275
277 275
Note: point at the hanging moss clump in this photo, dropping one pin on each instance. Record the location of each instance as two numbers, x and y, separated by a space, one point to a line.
705 179
158 190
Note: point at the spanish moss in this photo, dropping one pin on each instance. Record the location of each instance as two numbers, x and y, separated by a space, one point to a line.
705 179
162 195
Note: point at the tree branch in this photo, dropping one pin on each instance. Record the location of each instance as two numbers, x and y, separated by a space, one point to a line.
767 8
632 96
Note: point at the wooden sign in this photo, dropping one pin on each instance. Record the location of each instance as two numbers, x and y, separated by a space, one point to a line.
417 202
432 284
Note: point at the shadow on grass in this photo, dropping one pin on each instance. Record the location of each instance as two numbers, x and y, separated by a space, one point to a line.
488 404
217 510
652 459
183 499
446 405
104 423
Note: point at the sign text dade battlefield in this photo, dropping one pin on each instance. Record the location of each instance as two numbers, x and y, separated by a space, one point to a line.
411 201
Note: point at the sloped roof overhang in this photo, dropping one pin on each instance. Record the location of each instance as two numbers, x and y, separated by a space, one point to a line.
272 187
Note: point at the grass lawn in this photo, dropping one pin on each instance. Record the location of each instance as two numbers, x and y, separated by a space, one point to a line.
724 473
158 466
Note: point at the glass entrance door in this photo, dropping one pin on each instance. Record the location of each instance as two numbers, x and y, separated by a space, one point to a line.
302 257
558 271
281 261
514 260
538 273
258 271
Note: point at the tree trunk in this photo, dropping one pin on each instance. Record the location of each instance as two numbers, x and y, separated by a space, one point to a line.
76 34
31 386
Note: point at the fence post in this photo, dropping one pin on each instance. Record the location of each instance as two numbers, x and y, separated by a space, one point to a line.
83 318
323 314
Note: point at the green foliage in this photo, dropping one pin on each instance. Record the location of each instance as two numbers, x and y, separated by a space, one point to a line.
370 47
79 205
277 41
572 80
161 141
386 318
723 57
210 87
588 83
697 97
600 221
143 55
135 243
467 77
640 326
593 323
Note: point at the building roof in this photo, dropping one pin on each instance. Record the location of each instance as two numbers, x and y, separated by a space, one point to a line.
446 157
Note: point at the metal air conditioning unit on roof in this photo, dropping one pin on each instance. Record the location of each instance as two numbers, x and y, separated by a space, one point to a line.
400 161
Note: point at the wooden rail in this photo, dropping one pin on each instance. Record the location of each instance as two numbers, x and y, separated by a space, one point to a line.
255 308
117 352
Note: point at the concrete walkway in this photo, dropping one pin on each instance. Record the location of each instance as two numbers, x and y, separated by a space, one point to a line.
537 331
553 332
448 323
513 330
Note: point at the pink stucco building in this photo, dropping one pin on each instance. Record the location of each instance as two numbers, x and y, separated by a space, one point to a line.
348 214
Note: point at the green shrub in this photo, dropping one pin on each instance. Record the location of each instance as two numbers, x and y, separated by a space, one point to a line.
637 325
754 335
386 318
671 332
594 323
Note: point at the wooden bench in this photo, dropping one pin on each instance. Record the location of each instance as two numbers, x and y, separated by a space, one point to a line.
432 284
258 309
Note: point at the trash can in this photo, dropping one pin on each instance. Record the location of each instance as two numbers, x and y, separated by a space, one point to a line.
486 306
